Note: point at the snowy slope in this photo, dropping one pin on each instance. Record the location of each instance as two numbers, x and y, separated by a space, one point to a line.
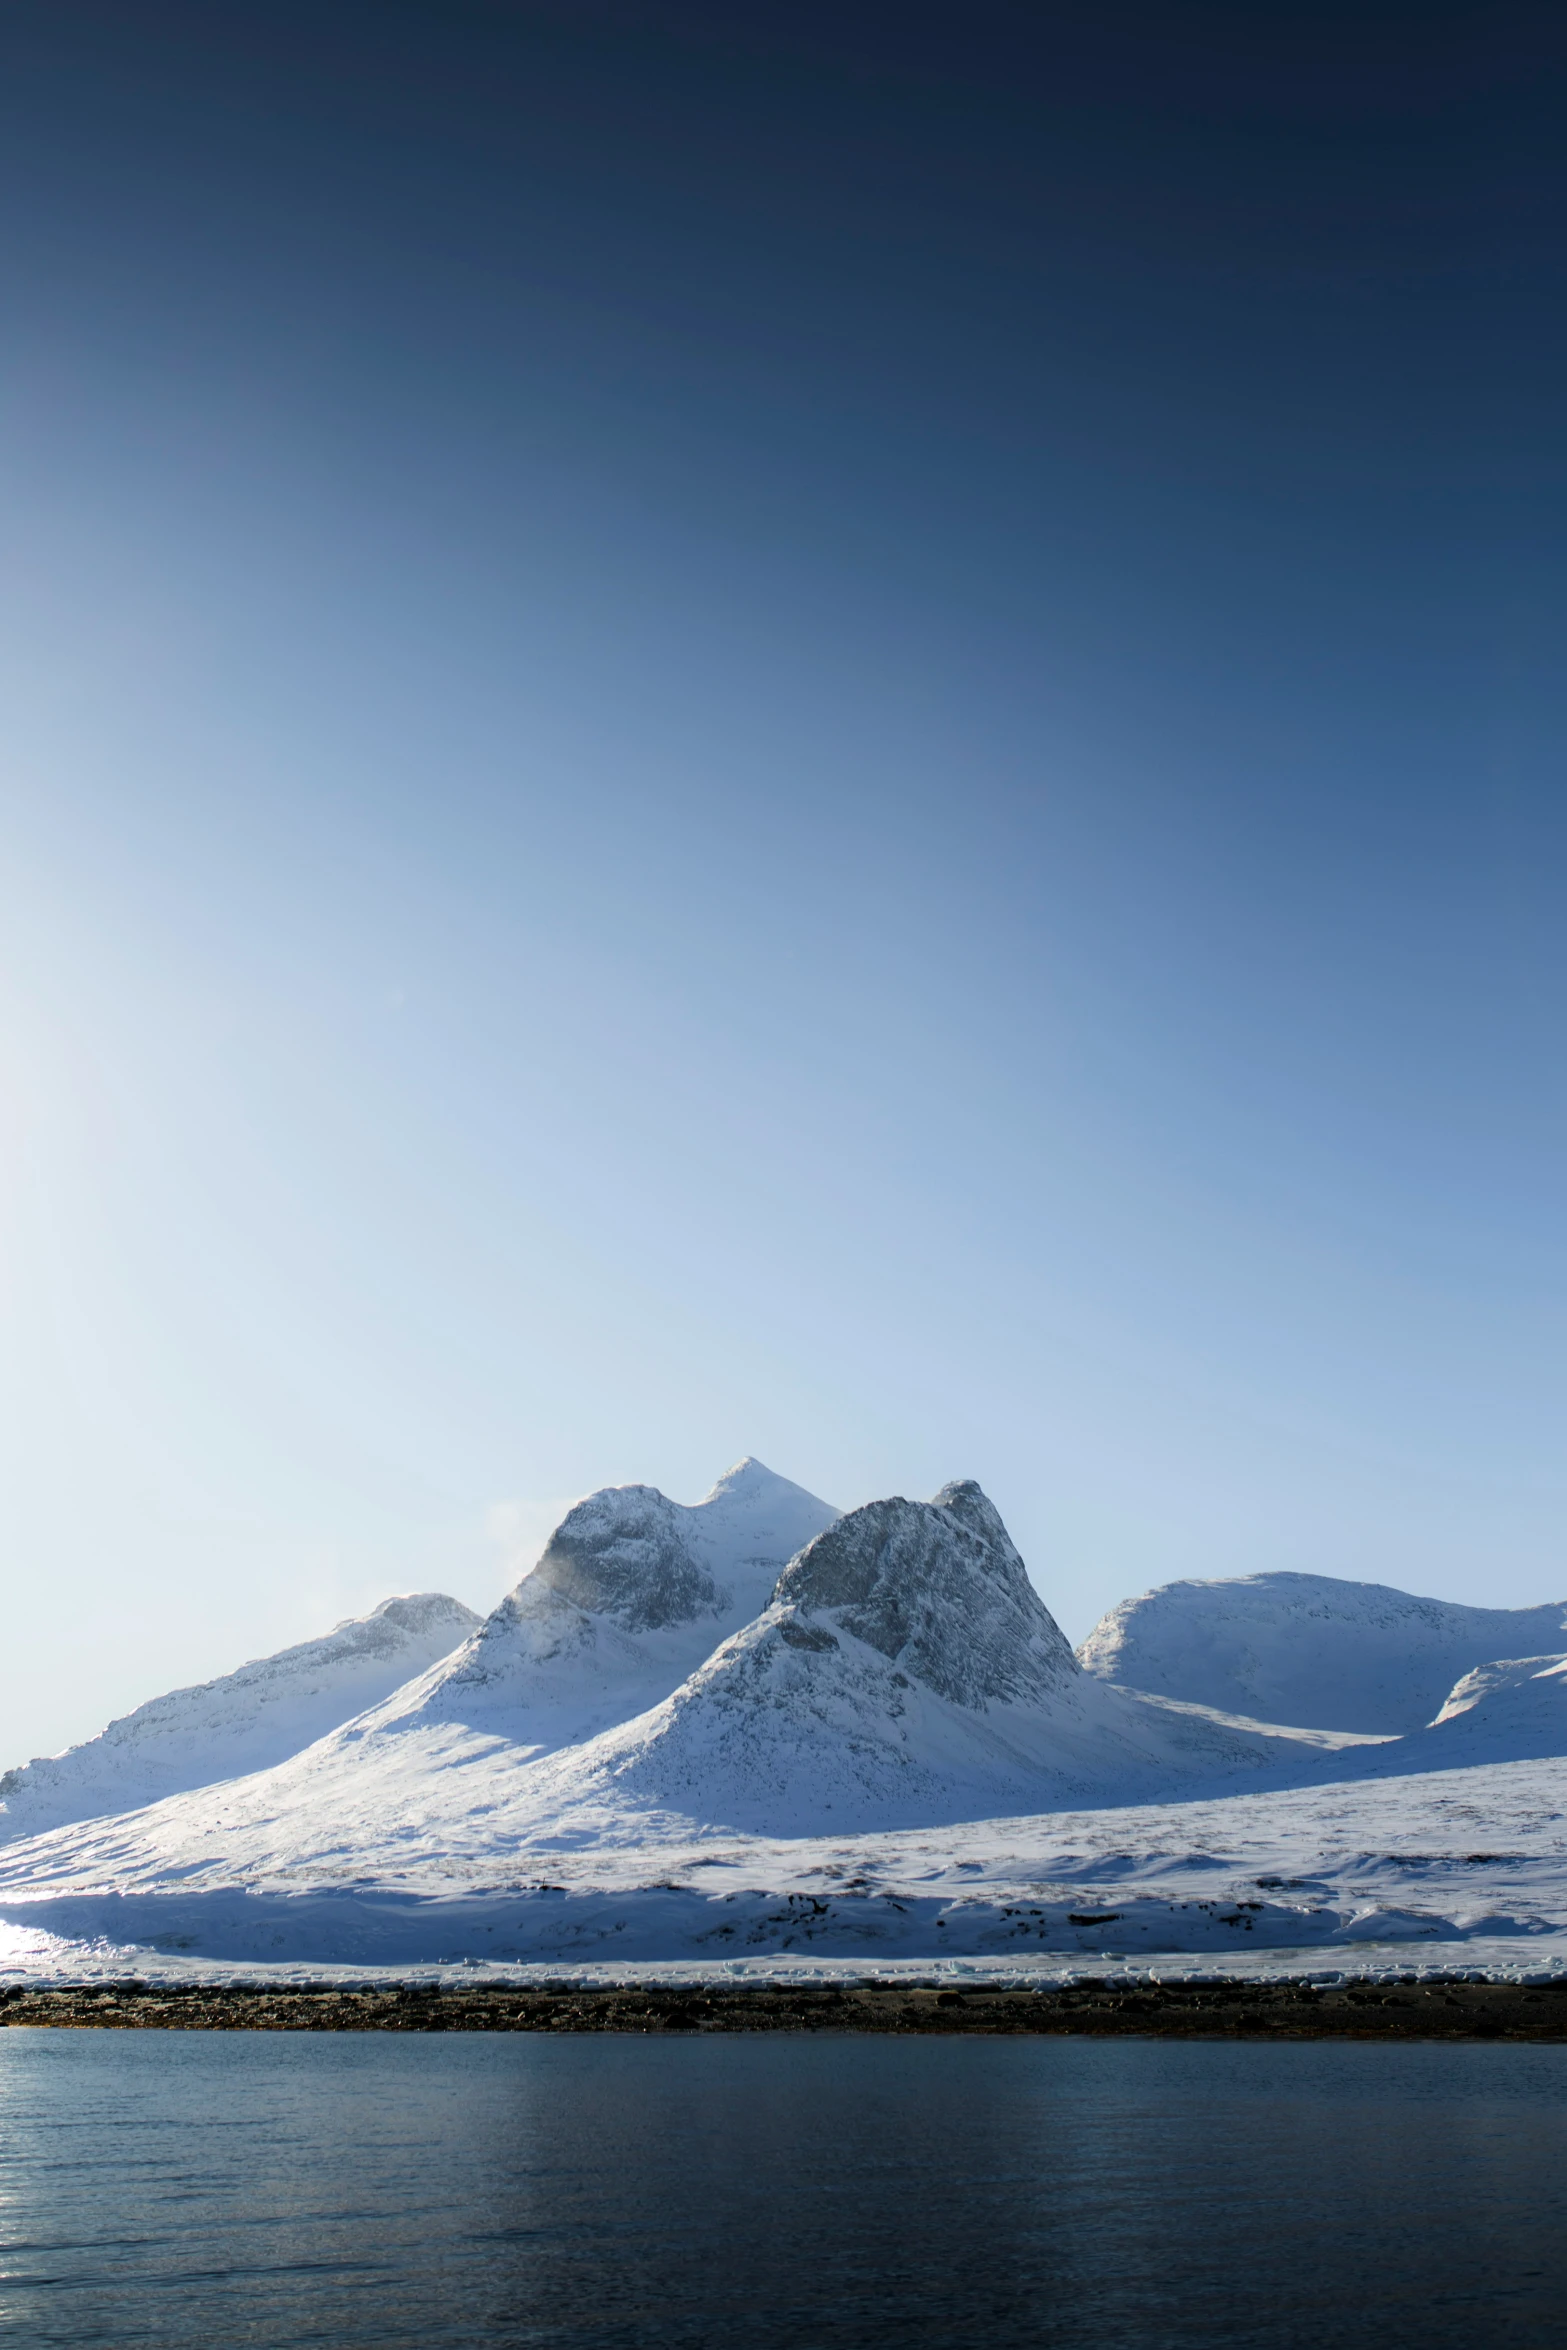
1343 1874
244 1722
1310 1649
906 1672
1514 1710
631 1593
1512 1686
669 1743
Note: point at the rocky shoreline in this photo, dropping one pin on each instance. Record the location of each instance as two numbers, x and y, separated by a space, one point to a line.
1380 2010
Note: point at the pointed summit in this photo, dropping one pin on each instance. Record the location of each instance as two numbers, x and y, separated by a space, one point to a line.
906 1674
937 1587
631 1592
747 1475
968 1502
632 1556
905 1669
751 1525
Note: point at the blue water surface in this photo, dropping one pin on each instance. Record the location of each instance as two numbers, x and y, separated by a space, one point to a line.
232 2188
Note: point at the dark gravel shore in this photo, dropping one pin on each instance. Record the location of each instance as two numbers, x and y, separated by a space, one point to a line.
1281 2010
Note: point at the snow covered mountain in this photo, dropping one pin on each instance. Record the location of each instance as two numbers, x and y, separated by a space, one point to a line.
635 1750
631 1593
244 1722
1309 1649
906 1670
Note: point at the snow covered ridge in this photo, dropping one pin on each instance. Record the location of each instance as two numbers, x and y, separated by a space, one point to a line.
244 1722
1310 1649
633 1591
1535 1679
903 1672
639 1750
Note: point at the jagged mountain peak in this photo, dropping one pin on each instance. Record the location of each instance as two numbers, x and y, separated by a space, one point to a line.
905 1673
748 1476
753 1516
937 1587
967 1501
905 1668
624 1553
632 1555
631 1592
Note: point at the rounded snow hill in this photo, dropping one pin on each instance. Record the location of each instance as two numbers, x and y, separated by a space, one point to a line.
247 1721
1512 1710
1309 1649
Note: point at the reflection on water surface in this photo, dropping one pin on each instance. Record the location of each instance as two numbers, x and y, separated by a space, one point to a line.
606 2192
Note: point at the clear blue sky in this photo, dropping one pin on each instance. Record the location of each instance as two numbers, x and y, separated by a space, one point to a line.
814 731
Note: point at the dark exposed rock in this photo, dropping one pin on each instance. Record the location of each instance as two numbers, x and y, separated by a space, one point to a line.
938 1587
802 1635
624 1554
569 1641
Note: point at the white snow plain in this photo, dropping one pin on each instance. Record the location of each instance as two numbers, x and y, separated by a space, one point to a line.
754 1736
1464 1869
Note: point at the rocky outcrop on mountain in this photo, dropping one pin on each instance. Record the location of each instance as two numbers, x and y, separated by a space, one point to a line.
905 1670
939 1589
246 1721
631 1592
664 1675
624 1555
618 1563
1309 1649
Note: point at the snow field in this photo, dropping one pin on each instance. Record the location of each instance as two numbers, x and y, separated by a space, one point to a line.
752 1733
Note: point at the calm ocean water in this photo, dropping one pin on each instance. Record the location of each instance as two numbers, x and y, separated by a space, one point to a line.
248 2189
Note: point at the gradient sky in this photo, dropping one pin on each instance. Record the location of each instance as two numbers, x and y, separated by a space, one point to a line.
790 729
